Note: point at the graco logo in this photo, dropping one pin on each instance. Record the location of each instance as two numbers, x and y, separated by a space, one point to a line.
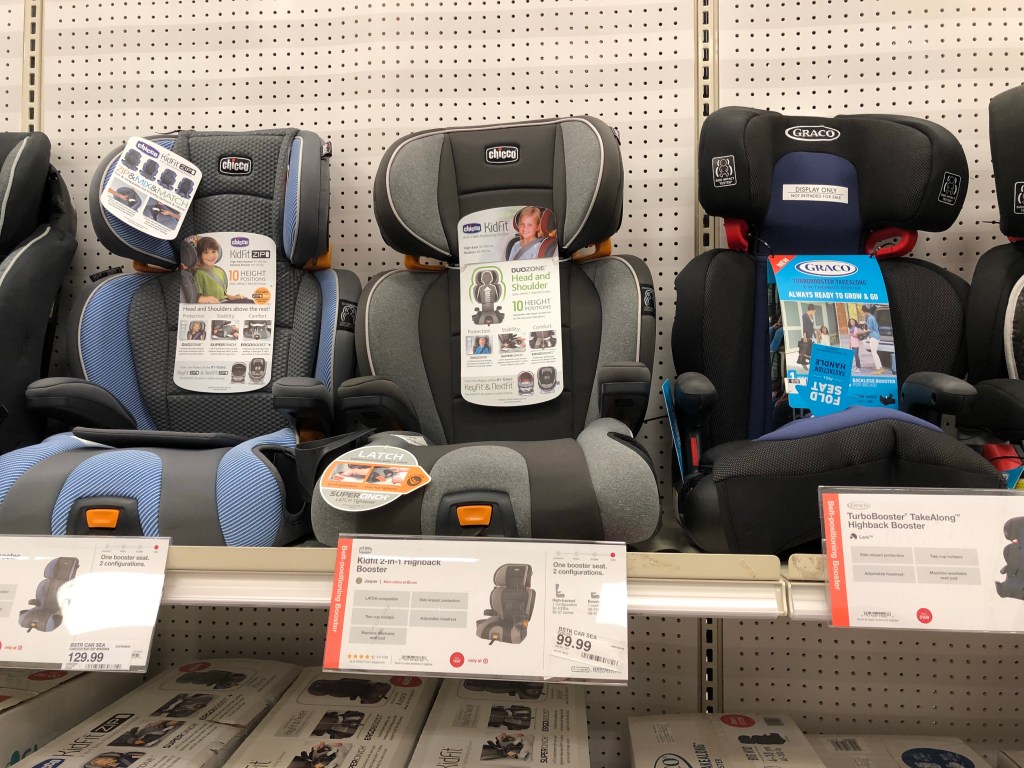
236 166
949 192
239 242
826 268
859 504
501 154
471 229
813 133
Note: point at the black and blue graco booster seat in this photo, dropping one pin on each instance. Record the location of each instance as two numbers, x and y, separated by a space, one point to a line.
755 487
37 243
148 457
567 467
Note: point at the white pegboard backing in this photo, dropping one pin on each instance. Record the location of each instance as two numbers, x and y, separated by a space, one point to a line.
937 61
666 663
966 685
365 74
12 63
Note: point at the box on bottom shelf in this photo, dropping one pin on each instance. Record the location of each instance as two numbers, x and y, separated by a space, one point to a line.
349 720
719 741
36 706
894 751
474 722
1010 759
190 716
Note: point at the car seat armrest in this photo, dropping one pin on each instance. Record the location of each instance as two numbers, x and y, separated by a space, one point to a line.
307 401
930 395
155 438
379 403
487 612
77 402
623 391
694 397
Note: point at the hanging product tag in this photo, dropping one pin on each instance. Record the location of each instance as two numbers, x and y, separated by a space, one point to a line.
151 188
511 345
370 477
79 602
226 312
838 333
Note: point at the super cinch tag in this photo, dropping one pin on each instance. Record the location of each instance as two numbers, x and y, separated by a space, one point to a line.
370 477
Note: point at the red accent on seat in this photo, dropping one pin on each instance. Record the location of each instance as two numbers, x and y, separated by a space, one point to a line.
736 231
1015 239
1001 456
906 239
694 452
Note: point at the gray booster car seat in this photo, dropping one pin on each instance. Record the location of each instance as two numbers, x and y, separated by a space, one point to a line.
45 613
148 457
752 473
37 243
543 464
512 602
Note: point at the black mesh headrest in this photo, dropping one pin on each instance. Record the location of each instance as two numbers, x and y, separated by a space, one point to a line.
911 173
513 576
25 164
1006 130
428 181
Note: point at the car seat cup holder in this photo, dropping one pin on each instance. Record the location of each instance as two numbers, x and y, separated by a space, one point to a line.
1013 554
44 612
512 602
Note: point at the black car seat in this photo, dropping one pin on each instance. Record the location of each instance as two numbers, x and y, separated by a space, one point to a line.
565 468
37 243
512 601
218 679
45 613
755 490
205 467
366 691
520 690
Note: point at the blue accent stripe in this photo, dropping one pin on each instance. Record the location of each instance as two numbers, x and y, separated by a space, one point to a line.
106 348
249 499
291 198
328 280
16 463
849 418
161 250
128 473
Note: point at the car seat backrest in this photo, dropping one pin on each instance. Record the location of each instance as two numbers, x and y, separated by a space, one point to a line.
768 170
512 599
283 196
23 173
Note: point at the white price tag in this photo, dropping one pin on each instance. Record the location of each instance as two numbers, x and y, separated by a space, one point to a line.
474 607
79 602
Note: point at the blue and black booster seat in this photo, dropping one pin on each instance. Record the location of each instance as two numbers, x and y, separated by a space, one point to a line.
148 457
750 480
565 468
45 613
512 602
37 243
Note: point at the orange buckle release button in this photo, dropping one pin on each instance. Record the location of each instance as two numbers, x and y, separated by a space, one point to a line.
102 518
474 514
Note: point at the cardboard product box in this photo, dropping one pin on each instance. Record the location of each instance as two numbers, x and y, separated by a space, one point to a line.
476 722
720 741
37 705
190 716
349 720
875 751
1010 759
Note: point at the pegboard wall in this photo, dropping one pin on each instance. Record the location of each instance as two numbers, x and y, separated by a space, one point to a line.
12 36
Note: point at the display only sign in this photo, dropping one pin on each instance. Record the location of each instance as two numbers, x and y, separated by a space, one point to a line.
472 607
924 558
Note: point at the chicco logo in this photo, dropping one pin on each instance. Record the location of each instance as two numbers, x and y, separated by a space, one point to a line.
147 149
813 133
239 242
826 268
471 229
236 166
502 154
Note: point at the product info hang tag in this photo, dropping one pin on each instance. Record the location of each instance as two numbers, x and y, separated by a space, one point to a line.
79 602
511 350
924 559
225 339
473 607
150 188
838 333
370 477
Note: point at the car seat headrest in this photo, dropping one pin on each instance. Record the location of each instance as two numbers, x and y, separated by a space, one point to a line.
23 173
1006 116
274 182
428 181
871 171
513 576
